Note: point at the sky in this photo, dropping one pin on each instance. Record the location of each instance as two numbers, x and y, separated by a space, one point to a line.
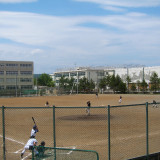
62 34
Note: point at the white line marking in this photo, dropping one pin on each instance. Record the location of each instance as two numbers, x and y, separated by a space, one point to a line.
71 151
13 140
18 150
27 156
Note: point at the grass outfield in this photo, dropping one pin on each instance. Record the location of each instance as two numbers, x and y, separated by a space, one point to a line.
76 130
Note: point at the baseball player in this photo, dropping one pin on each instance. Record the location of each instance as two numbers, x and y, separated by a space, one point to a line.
88 108
97 94
120 99
154 103
47 104
34 130
29 146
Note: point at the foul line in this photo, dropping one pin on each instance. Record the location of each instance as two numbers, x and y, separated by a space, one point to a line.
13 140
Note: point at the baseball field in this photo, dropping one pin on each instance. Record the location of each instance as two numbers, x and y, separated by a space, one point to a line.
75 130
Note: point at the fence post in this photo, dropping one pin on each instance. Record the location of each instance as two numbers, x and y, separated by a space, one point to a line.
54 131
109 139
147 131
3 128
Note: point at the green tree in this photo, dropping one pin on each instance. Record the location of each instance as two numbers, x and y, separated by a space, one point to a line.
155 81
66 84
117 84
122 87
143 85
102 83
63 83
133 87
85 85
45 80
91 85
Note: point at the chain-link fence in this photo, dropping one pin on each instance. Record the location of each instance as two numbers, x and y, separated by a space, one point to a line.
49 153
115 132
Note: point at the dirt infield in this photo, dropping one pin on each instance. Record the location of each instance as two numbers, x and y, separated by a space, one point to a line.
74 129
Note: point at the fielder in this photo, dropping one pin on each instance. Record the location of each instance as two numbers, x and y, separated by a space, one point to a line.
29 146
120 99
47 104
34 130
88 108
154 103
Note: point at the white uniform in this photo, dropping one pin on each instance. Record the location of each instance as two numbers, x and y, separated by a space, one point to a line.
33 132
31 142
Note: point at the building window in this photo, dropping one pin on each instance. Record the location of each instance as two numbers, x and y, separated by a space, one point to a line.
1 87
100 74
11 87
11 80
1 80
58 75
26 80
66 74
26 87
26 65
26 72
73 74
11 65
1 72
11 72
2 65
81 73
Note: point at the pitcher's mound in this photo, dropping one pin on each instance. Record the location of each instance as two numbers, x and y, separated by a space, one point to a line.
94 117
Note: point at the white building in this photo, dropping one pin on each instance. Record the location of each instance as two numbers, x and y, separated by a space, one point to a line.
91 74
96 74
137 73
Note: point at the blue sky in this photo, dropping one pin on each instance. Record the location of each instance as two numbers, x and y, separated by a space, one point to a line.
57 34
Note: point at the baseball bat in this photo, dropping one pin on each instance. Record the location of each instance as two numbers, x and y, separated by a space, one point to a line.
33 120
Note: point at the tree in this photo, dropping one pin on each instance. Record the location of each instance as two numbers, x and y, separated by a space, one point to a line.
117 84
102 83
143 85
85 85
62 82
155 81
133 87
45 80
105 81
66 84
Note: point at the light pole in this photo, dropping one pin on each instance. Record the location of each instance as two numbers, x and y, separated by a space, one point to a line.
77 82
16 84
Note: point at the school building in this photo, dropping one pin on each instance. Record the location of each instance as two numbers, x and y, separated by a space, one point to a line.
16 75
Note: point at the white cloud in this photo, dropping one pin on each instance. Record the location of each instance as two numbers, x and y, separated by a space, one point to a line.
125 3
55 41
17 1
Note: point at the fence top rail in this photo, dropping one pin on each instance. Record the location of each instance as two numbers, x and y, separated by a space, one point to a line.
71 149
67 107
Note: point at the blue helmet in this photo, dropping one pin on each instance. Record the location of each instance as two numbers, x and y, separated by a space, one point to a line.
34 127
